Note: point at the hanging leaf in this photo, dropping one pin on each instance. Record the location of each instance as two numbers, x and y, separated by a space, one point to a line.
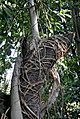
9 52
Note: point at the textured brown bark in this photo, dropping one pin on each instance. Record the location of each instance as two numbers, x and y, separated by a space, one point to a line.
35 70
76 24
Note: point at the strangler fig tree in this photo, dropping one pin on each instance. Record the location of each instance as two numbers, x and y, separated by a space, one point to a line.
33 69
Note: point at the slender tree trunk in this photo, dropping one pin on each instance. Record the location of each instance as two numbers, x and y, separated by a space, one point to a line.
16 112
76 24
33 16
34 24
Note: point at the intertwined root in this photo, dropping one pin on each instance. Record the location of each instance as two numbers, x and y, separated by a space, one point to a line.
35 70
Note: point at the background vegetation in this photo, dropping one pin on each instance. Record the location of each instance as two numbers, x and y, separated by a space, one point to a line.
54 17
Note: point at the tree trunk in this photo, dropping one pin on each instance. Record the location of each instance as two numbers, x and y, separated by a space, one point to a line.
35 70
16 112
34 24
76 24
33 16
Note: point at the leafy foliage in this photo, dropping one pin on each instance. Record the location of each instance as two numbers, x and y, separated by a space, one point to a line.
67 104
14 24
54 17
70 75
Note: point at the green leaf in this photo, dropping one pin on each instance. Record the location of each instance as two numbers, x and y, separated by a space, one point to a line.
7 12
9 52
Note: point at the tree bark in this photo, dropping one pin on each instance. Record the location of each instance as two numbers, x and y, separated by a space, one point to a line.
29 74
35 71
76 24
16 112
33 16
34 24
